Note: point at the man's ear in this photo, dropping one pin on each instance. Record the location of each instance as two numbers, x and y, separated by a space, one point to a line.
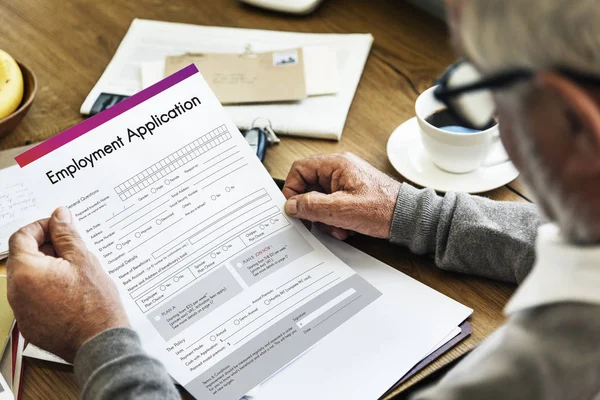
583 106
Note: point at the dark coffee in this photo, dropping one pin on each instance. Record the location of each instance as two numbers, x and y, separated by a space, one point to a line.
445 119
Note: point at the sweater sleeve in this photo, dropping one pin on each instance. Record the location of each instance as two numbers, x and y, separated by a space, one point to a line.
549 352
468 234
113 365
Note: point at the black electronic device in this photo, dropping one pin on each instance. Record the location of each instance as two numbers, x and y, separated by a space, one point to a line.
257 139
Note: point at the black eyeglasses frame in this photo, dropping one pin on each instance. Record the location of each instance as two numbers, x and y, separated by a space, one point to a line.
502 80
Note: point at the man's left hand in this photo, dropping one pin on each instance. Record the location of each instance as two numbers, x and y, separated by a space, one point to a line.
343 193
60 294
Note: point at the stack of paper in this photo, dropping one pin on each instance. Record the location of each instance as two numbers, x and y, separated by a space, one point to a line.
7 317
18 205
7 365
147 43
274 76
224 289
367 355
396 338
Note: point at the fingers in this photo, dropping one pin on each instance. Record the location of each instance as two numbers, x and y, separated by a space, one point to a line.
314 173
302 175
48 250
65 239
29 239
338 233
25 248
318 207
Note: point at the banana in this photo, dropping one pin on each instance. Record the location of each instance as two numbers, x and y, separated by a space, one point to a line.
11 85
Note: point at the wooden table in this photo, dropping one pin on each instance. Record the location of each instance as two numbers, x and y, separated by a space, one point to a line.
68 45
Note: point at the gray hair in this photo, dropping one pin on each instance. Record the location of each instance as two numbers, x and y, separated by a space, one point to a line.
535 34
501 34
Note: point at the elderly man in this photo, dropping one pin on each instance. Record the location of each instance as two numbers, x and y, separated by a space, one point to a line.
541 61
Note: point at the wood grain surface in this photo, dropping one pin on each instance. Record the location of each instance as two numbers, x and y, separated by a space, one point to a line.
69 43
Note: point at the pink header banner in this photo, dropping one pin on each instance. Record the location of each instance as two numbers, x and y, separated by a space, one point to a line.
84 127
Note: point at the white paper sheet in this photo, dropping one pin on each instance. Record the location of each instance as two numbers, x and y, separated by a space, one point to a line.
367 355
18 367
394 296
33 351
445 340
5 393
320 117
218 282
6 364
18 205
6 371
320 70
190 226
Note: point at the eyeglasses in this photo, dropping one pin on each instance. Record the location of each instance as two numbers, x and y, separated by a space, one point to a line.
469 96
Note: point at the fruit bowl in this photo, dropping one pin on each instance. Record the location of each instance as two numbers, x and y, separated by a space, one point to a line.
9 123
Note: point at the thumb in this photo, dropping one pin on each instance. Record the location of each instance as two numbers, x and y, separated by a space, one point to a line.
316 207
64 237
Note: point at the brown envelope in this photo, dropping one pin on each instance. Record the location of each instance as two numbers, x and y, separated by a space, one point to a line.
248 78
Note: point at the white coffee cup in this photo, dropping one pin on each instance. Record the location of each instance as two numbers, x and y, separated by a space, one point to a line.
457 152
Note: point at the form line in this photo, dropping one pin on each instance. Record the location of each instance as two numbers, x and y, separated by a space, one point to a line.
191 263
229 173
278 304
112 226
208 218
211 249
259 215
164 194
147 222
188 265
287 309
165 298
340 309
220 154
218 327
319 264
205 178
127 208
151 237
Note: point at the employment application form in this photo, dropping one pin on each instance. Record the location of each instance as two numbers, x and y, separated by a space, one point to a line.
221 285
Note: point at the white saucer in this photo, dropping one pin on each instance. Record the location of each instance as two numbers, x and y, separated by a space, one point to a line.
409 158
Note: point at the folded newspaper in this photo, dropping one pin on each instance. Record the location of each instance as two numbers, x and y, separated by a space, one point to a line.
148 42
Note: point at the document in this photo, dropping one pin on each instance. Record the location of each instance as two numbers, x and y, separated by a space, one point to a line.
274 76
321 73
5 393
220 284
33 351
367 355
408 324
405 323
319 117
18 205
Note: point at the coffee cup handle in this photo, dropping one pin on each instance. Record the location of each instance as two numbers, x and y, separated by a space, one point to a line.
496 155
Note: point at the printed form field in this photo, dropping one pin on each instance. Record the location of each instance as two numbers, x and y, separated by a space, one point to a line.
172 162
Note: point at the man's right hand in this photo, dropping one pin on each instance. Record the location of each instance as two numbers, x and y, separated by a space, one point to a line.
60 295
344 193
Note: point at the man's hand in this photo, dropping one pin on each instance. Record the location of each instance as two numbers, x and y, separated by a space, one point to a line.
59 293
343 192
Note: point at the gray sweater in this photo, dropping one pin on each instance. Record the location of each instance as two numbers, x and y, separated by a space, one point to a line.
549 352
